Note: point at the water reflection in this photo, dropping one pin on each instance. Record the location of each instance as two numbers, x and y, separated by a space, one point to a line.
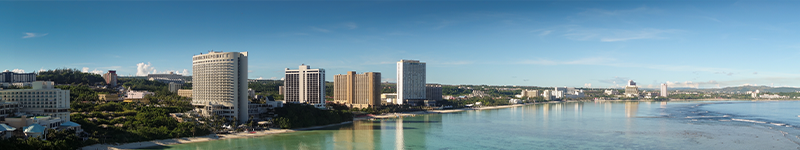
631 108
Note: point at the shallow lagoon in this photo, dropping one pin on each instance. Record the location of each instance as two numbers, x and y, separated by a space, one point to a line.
571 125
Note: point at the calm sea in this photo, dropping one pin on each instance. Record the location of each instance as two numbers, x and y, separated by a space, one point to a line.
574 125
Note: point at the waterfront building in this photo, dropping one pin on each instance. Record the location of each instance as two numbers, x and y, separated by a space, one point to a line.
185 93
8 78
433 92
42 100
167 78
304 85
410 80
263 112
357 90
175 86
611 92
631 90
664 92
111 78
547 94
389 98
219 84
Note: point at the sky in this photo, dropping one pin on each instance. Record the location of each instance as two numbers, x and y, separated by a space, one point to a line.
599 44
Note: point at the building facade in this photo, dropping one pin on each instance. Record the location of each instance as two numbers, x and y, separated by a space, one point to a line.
664 92
42 100
631 90
171 77
410 80
8 78
433 92
174 87
219 84
358 90
185 93
111 78
304 85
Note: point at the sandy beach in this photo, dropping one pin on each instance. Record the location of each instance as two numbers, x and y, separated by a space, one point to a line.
206 138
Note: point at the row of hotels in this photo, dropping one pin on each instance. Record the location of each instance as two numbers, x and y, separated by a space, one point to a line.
219 86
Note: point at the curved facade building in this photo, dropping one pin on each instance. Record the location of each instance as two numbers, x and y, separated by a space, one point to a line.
219 84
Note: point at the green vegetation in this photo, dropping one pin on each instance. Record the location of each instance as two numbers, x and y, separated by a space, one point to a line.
299 116
389 88
65 139
267 88
130 122
70 76
455 91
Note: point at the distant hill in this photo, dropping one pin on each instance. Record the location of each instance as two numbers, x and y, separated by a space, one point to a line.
743 89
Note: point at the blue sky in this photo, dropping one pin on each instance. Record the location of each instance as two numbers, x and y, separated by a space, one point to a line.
542 43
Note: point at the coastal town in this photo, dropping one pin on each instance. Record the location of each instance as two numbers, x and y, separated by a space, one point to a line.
217 102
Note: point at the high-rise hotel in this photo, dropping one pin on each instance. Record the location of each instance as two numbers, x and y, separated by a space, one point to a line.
219 84
410 80
304 85
358 90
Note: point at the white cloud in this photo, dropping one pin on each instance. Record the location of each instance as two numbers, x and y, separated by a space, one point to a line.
95 71
588 85
603 12
260 78
42 69
273 78
546 32
616 35
18 71
350 25
33 35
143 69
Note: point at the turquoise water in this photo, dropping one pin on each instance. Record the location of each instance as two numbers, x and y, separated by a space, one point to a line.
575 125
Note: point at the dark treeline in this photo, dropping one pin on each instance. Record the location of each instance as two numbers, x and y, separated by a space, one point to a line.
70 76
299 116
455 91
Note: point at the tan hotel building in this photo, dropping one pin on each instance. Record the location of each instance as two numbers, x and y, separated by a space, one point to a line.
358 90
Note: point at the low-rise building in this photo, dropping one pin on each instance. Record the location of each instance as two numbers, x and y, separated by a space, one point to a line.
174 87
185 93
42 100
433 92
137 97
6 131
263 112
389 98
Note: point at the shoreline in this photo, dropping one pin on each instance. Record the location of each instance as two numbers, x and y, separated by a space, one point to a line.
206 138
213 137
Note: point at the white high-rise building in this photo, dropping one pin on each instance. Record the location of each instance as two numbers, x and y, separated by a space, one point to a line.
410 80
304 85
219 84
664 92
